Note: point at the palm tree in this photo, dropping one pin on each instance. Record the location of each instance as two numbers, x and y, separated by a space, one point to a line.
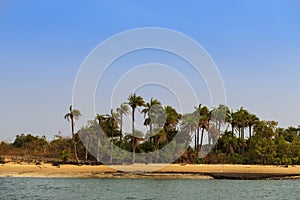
172 119
197 135
100 118
85 134
252 120
134 101
134 138
189 126
71 116
221 112
241 117
151 109
160 137
205 116
232 121
112 121
122 110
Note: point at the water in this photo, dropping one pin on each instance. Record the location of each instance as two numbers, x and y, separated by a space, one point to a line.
145 189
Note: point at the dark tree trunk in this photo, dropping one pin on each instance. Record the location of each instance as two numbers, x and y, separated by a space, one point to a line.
250 127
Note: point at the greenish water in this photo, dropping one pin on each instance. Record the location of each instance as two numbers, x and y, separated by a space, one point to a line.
62 188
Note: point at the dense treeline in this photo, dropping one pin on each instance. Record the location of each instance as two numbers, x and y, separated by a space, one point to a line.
217 135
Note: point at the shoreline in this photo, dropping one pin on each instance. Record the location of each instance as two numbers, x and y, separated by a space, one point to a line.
153 171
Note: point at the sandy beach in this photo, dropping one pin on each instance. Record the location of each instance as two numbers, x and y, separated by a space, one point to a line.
147 171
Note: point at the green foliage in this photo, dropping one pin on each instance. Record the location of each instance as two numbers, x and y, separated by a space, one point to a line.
65 155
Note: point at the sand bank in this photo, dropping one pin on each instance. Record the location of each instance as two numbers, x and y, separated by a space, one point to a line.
152 171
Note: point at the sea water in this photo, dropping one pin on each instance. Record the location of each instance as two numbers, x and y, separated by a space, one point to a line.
69 188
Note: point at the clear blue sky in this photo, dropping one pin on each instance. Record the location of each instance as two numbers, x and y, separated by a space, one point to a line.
255 44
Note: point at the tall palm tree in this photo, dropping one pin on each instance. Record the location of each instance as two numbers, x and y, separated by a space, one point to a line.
160 137
112 121
205 117
241 120
189 126
134 101
197 135
122 110
100 119
221 112
151 109
135 138
232 121
252 120
86 133
71 116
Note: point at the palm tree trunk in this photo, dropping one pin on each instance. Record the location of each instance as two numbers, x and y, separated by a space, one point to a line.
74 140
243 133
98 143
195 140
98 148
121 134
198 135
232 130
201 141
132 140
111 144
250 131
156 150
150 139
86 148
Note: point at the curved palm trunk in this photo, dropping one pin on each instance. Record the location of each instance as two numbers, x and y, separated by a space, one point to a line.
74 139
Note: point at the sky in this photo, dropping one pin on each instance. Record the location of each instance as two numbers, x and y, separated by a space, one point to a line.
255 45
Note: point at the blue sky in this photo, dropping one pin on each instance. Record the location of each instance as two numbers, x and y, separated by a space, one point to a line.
255 44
